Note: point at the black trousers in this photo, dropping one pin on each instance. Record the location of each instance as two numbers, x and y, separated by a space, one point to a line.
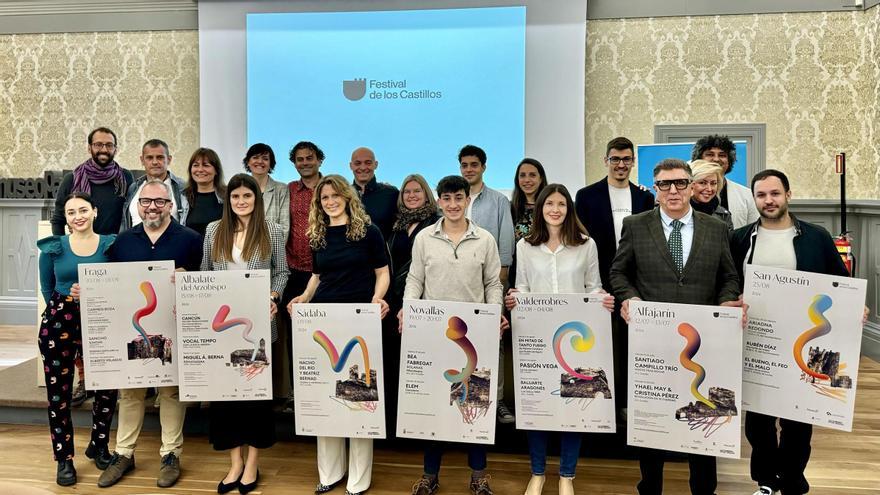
703 475
778 461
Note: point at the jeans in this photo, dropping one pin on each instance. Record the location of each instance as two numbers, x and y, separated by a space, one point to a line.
569 451
434 453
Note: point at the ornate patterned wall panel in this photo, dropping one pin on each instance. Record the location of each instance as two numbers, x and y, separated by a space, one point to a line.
812 78
54 88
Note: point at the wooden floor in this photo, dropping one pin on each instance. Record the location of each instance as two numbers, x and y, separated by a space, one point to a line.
841 463
18 343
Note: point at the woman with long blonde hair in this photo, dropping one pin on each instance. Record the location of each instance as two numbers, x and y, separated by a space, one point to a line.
350 266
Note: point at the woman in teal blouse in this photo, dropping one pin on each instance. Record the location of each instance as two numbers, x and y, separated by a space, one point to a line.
60 337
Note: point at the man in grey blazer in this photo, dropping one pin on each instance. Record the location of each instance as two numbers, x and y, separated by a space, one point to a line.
678 255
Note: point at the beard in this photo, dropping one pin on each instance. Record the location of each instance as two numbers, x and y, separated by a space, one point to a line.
155 224
781 211
103 158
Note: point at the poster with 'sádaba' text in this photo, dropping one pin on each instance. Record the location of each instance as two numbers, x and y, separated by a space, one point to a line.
338 372
129 336
563 363
448 371
685 377
225 335
801 348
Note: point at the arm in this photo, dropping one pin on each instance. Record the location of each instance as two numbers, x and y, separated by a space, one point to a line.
728 277
592 280
383 280
307 294
279 261
522 273
47 276
194 261
492 288
284 213
622 274
207 248
505 235
58 219
415 279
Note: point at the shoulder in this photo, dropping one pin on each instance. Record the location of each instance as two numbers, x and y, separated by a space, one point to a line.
51 245
373 232
603 183
709 222
483 234
738 189
66 184
385 186
640 218
106 240
211 229
186 232
742 233
641 193
813 230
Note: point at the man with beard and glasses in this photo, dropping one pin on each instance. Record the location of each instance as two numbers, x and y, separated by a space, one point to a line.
101 178
780 240
158 237
155 158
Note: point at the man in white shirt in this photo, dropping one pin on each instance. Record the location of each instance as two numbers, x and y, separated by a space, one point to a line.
735 197
155 158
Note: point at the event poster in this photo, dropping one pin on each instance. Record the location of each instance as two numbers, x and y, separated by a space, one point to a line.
563 363
448 371
338 373
129 336
801 348
685 377
225 335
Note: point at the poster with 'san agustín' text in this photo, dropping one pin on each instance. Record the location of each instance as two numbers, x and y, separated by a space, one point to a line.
448 371
129 335
563 363
225 333
685 378
338 372
802 345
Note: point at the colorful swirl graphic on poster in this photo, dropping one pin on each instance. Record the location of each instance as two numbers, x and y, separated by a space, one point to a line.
456 331
582 341
692 337
221 324
150 296
337 361
816 311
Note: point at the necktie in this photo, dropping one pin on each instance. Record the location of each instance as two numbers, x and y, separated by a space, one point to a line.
674 244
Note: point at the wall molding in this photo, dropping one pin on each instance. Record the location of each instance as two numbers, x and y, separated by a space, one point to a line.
615 9
61 16
754 134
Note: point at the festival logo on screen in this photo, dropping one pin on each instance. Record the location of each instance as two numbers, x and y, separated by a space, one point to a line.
822 369
146 346
709 413
581 382
354 89
252 361
360 390
470 386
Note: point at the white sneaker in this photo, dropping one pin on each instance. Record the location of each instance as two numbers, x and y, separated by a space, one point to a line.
504 414
765 490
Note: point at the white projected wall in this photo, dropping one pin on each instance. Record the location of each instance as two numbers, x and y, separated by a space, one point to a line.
552 121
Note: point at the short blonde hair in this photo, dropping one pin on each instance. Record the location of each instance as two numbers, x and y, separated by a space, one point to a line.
702 168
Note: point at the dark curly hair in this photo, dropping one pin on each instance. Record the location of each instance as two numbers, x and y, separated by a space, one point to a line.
715 141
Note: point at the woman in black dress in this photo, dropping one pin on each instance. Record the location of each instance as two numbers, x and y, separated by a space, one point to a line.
244 240
350 265
205 189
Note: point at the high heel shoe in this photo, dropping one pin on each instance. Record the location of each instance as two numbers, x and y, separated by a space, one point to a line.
536 485
249 487
226 488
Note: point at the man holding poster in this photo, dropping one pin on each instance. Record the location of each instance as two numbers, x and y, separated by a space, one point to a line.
455 260
674 254
778 463
158 237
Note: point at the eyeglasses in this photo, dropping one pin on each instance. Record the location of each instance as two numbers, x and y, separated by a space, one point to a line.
103 146
665 185
615 160
160 202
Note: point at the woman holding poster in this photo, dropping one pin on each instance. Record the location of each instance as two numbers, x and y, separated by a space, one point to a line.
557 256
350 265
60 337
244 240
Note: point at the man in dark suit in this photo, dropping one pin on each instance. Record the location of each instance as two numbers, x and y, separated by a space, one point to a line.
678 255
601 207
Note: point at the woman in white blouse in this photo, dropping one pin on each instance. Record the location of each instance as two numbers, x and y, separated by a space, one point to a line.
556 257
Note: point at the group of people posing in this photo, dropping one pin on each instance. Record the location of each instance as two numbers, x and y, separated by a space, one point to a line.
325 239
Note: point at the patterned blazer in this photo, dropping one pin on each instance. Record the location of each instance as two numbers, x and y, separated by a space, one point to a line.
276 204
643 266
276 263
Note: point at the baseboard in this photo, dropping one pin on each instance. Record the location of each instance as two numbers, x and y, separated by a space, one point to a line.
18 311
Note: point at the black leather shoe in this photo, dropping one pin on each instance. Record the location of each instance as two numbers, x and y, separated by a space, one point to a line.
66 474
249 487
224 488
101 455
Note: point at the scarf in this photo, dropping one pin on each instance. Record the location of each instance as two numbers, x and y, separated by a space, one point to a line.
407 217
707 208
89 171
